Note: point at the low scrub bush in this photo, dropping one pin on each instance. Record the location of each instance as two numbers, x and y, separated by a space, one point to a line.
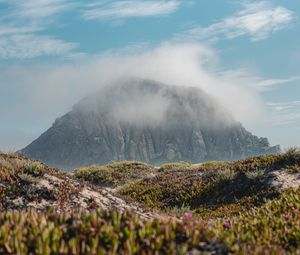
213 188
115 173
270 229
175 166
33 168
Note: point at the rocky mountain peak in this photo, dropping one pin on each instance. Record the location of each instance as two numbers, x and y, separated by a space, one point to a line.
147 121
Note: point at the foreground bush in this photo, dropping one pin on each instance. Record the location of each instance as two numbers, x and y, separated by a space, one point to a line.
99 232
272 229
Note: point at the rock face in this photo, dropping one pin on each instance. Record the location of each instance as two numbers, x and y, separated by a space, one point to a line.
146 121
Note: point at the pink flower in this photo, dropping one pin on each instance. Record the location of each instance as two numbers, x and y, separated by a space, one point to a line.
227 224
187 216
287 217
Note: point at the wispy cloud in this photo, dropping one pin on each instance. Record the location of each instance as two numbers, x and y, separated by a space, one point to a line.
257 20
248 78
37 9
284 113
266 84
23 46
129 9
20 36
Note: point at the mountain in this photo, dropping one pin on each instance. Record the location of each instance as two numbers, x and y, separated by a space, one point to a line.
147 121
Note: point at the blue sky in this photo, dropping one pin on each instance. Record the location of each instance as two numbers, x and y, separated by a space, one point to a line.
245 53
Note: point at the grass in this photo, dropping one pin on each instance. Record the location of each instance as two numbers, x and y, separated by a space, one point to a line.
115 173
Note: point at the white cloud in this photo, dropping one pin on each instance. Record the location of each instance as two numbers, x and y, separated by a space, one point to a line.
20 36
248 78
12 30
266 84
22 46
130 8
65 84
178 64
37 9
257 20
284 113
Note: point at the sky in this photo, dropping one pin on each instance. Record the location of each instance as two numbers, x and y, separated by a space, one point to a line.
244 53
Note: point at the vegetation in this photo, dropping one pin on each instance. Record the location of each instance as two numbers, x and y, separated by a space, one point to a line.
220 208
19 177
175 166
213 189
97 232
210 194
271 229
12 166
114 174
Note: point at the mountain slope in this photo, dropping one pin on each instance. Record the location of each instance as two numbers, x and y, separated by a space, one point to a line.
145 121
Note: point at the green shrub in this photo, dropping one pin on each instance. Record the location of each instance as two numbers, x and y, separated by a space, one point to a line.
270 229
213 188
174 166
115 173
33 168
98 232
273 227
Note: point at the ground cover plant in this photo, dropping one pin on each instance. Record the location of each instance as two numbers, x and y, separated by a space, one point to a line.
115 173
25 182
271 229
214 189
214 207
174 166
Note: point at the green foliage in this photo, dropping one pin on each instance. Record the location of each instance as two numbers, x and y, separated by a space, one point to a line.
12 165
214 188
210 193
269 162
214 163
33 168
17 173
115 173
233 210
97 232
273 228
182 165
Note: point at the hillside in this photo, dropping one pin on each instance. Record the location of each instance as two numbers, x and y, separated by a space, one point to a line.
249 206
212 189
26 183
145 121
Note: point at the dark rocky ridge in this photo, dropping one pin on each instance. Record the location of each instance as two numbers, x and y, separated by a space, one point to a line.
145 121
